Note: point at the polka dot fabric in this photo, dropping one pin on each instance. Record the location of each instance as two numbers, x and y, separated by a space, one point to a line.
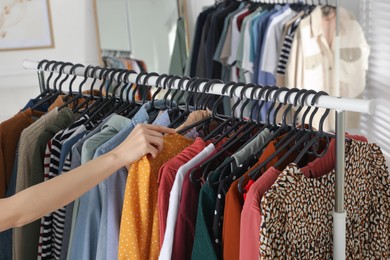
139 230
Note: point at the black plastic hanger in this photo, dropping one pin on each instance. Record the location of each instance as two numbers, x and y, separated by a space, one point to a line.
191 88
45 89
277 133
206 121
180 91
137 106
116 99
100 98
52 94
106 103
231 120
161 79
169 87
70 87
314 142
160 85
66 75
91 97
149 87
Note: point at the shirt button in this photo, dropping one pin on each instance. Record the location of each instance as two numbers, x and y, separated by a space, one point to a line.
330 68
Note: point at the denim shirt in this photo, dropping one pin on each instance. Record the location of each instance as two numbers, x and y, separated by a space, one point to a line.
85 235
72 208
111 190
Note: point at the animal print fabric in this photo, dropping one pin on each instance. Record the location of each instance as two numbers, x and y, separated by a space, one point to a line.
297 211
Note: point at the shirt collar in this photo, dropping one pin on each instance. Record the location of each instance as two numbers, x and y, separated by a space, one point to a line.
316 21
117 122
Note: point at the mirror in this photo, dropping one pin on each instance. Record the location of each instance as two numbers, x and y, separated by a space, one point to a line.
145 28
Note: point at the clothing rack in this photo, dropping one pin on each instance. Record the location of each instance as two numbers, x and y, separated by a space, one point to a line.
339 104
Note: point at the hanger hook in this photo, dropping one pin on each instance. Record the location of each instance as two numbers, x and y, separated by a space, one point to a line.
194 90
51 72
267 99
72 71
62 69
209 96
275 99
145 83
304 98
247 99
179 89
41 70
253 100
85 78
221 98
286 97
159 87
297 96
231 94
169 86
326 113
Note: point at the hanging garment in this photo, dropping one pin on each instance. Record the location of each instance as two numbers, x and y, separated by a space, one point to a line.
26 238
240 160
72 208
175 197
112 190
299 208
139 233
88 217
166 180
51 225
311 61
179 54
186 218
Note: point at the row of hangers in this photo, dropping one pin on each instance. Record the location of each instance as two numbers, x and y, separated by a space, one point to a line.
234 128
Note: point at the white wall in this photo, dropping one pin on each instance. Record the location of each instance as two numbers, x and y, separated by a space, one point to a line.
75 41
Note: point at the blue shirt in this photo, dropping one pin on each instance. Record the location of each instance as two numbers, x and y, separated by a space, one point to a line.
111 190
84 240
72 208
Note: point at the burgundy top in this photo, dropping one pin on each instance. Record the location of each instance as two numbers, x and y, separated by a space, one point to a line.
166 178
185 224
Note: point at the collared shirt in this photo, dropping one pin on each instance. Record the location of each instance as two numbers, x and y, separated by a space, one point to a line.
139 229
271 46
72 208
112 189
26 238
311 62
50 239
302 208
85 238
175 196
218 51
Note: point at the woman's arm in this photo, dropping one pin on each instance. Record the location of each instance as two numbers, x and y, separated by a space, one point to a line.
41 199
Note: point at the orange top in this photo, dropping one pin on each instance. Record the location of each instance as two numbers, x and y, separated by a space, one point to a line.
235 200
139 230
10 131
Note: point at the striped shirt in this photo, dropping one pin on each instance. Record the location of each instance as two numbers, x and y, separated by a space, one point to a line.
52 225
286 47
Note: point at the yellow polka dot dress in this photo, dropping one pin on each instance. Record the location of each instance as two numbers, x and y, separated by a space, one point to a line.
139 230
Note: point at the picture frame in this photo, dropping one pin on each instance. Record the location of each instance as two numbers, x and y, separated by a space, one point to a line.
25 25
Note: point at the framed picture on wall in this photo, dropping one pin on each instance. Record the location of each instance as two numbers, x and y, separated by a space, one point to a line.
25 24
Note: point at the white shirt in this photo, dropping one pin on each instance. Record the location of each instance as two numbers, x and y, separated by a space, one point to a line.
311 62
174 201
270 56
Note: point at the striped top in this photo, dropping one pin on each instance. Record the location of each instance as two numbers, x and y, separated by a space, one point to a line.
286 47
52 225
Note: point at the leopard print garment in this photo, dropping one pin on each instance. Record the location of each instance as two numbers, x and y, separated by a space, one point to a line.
297 211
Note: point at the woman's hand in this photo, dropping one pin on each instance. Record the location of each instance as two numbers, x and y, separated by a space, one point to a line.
144 139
